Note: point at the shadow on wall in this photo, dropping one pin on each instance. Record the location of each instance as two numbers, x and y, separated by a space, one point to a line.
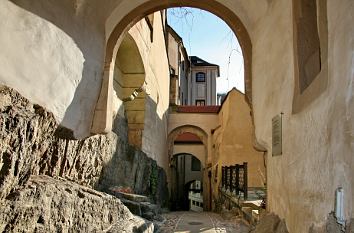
130 169
88 36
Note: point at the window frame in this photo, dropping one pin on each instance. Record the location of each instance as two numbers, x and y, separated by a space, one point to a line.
201 101
197 78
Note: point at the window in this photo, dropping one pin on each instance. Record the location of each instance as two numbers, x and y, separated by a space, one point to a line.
200 77
200 102
196 165
310 51
308 43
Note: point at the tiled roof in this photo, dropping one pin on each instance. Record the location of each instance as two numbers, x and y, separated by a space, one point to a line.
197 61
187 137
198 109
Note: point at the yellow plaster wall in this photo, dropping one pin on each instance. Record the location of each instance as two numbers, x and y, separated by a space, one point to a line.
233 141
154 57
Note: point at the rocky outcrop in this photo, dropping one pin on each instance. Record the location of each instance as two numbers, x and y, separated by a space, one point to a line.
45 204
331 226
350 228
141 206
271 223
133 168
32 144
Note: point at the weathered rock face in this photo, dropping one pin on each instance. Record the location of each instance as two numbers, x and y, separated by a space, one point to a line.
132 168
32 143
331 226
29 145
271 223
45 204
351 226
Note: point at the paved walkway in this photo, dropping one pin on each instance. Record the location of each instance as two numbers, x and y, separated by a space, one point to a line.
201 222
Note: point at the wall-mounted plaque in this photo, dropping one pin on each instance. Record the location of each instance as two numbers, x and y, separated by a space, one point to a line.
277 135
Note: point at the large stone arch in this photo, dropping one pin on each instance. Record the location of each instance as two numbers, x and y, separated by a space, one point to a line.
127 14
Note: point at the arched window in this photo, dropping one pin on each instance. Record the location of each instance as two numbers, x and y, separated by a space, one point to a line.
200 77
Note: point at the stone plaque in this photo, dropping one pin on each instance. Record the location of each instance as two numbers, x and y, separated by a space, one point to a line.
277 135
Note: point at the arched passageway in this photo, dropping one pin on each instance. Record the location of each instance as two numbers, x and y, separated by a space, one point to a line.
187 183
188 142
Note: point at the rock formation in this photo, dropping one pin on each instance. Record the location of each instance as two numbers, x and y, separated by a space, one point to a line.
34 149
45 204
271 223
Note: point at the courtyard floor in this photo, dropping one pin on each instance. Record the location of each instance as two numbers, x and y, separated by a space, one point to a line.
201 222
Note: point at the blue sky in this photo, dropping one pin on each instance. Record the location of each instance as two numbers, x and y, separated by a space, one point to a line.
210 38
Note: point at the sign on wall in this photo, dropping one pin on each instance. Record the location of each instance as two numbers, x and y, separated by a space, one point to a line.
277 147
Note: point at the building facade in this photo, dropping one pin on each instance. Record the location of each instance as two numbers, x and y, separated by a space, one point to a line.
192 80
202 82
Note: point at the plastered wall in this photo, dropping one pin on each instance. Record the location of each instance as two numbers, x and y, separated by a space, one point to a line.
154 56
233 140
48 65
317 141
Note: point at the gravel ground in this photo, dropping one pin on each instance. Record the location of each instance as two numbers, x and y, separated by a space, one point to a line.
234 225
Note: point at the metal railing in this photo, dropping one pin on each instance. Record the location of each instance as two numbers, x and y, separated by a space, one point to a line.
234 179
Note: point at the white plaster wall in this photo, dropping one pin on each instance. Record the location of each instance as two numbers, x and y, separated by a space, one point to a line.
47 60
209 85
317 142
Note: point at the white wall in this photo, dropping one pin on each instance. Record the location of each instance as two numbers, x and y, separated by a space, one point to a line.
60 70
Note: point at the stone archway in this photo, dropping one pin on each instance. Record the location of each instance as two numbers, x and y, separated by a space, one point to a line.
203 136
199 132
186 169
123 18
